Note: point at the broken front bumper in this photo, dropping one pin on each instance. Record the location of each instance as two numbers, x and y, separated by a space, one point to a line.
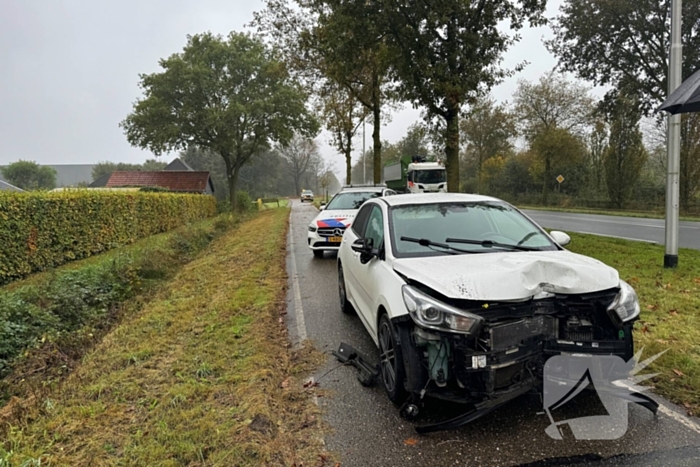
508 356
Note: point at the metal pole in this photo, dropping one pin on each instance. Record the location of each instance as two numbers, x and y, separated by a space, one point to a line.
364 158
673 141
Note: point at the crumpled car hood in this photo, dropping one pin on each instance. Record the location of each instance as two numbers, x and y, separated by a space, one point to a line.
341 218
509 275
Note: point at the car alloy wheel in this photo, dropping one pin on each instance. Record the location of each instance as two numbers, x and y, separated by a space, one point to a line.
391 361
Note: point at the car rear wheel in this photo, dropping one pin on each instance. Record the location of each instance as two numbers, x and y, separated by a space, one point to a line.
318 253
391 366
345 305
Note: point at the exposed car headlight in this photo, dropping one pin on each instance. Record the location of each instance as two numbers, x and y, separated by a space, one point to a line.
433 314
625 307
312 228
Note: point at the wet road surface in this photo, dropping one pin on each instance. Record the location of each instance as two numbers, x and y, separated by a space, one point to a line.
631 228
367 428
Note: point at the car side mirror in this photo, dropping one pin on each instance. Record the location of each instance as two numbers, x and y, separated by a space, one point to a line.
560 237
365 247
322 207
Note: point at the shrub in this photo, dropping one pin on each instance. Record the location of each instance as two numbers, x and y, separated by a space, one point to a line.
39 231
154 189
243 201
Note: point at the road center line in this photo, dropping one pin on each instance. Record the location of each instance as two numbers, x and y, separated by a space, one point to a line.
298 308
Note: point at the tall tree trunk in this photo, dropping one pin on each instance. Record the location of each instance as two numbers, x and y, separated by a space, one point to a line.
479 163
233 185
296 184
348 162
452 147
547 170
376 117
229 178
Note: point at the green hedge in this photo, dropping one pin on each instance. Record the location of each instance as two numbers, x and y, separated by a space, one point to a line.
43 230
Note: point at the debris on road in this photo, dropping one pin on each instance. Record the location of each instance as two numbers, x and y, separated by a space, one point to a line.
367 374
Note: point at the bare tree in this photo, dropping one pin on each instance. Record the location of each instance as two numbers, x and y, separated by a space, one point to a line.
299 155
342 114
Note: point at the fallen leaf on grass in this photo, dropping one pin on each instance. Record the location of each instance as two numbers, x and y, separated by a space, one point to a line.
678 372
285 383
310 384
673 313
410 442
652 307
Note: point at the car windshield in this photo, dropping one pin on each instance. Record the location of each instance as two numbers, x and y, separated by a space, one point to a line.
429 176
307 192
351 199
463 227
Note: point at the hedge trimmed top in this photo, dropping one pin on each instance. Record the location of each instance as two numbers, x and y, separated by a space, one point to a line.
39 231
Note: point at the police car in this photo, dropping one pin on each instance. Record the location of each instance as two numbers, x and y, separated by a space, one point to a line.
327 229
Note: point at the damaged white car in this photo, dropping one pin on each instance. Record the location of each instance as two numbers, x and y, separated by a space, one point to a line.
467 298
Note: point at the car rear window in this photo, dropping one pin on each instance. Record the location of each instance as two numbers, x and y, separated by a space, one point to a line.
351 199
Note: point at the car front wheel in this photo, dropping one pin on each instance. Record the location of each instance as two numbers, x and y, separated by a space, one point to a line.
345 305
391 366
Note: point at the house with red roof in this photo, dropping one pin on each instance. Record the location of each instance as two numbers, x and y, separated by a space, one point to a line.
182 181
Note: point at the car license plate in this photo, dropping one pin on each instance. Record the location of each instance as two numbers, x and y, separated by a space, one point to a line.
335 239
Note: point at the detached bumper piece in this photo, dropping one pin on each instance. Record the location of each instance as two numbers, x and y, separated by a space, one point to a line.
366 373
478 411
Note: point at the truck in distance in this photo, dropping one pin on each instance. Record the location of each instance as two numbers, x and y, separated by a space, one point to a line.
416 175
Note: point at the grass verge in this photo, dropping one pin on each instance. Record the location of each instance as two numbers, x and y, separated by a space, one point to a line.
603 212
202 376
283 203
670 310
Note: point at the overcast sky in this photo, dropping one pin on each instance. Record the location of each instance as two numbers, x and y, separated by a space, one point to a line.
70 71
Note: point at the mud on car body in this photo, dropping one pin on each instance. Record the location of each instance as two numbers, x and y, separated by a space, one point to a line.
467 298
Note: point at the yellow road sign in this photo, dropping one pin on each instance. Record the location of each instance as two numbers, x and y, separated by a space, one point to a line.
560 179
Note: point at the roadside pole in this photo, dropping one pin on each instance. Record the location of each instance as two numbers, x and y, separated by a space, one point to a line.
673 141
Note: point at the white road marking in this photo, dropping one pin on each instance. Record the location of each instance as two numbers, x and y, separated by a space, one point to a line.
670 413
680 418
617 236
298 308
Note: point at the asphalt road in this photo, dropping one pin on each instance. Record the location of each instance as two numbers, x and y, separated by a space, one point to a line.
367 428
632 228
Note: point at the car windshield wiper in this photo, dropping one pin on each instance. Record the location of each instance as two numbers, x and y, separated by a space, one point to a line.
431 244
528 237
490 244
